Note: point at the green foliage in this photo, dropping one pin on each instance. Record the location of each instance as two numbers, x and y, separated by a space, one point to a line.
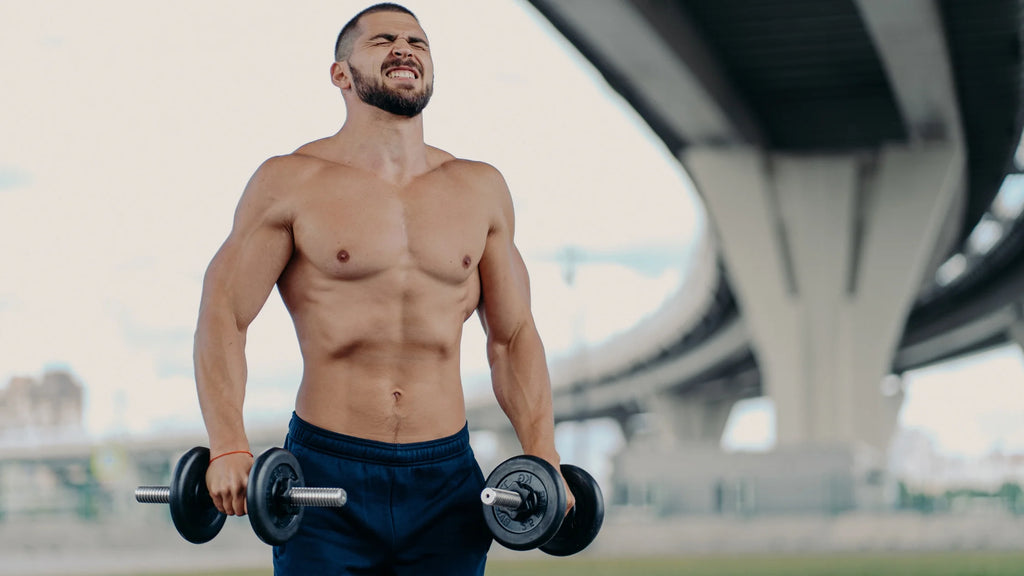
1010 496
1013 497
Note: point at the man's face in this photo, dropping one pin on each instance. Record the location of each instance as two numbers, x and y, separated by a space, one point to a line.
390 64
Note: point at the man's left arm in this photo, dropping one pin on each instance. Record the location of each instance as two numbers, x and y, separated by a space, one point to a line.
519 371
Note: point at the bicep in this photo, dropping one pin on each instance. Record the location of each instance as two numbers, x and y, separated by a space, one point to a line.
504 281
248 264
244 271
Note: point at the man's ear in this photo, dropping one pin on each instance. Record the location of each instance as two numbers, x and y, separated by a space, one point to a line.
341 75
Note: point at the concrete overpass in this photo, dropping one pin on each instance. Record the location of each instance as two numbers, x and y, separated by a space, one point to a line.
849 154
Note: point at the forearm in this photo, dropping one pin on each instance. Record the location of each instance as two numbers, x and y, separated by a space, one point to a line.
220 371
522 386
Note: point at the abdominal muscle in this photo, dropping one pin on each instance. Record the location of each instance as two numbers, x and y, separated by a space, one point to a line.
394 394
381 358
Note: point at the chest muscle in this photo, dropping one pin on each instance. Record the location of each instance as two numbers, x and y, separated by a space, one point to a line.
357 233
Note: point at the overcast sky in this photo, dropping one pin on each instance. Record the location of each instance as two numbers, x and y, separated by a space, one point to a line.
128 130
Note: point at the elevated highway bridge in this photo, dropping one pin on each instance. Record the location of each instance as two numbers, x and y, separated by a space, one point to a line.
859 164
850 154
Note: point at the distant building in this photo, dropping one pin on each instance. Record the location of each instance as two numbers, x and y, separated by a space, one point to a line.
54 402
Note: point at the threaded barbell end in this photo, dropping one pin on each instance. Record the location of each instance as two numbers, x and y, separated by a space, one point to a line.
319 497
153 494
501 498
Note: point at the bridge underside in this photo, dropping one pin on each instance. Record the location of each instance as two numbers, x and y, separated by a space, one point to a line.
846 151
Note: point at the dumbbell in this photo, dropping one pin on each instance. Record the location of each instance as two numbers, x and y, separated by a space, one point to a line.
524 506
275 498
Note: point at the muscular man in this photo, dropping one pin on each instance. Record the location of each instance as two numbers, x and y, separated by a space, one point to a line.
381 247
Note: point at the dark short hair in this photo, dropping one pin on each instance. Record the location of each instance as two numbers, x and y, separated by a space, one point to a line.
347 36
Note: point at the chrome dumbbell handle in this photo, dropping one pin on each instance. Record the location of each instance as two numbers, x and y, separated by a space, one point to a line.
501 498
153 494
317 497
298 496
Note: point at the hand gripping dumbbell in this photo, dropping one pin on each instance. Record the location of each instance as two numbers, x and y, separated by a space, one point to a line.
275 499
524 506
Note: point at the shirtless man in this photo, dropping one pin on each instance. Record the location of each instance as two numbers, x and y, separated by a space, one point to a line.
381 247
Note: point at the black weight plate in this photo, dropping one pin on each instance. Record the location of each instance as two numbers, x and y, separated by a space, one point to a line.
192 509
531 476
581 527
273 519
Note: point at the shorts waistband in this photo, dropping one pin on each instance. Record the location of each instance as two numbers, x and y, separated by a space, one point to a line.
342 445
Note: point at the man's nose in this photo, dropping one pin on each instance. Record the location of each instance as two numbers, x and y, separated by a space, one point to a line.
401 48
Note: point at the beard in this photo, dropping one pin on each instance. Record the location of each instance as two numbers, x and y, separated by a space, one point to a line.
399 102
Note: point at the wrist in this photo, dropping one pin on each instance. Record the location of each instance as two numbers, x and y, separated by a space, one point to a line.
551 456
221 443
215 456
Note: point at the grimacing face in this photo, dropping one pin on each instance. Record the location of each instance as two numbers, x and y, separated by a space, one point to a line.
390 64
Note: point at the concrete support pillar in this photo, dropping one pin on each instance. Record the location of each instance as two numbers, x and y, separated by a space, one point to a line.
1016 330
629 425
826 254
688 419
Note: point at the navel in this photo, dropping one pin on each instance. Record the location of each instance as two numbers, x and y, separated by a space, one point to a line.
466 261
343 256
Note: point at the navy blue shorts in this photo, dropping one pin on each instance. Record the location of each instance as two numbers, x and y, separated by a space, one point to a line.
412 508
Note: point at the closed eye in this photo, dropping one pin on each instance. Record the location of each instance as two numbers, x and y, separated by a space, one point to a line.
384 38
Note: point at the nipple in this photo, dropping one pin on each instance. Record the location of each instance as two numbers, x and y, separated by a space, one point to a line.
466 262
343 256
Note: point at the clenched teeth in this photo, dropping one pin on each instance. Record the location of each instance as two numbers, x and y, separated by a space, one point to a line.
401 74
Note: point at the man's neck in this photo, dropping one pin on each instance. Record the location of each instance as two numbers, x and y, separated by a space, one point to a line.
390 146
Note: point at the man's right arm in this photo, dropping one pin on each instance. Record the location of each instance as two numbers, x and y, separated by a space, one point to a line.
237 284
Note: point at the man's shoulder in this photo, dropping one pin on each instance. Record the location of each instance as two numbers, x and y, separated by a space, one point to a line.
295 167
279 180
470 169
307 157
